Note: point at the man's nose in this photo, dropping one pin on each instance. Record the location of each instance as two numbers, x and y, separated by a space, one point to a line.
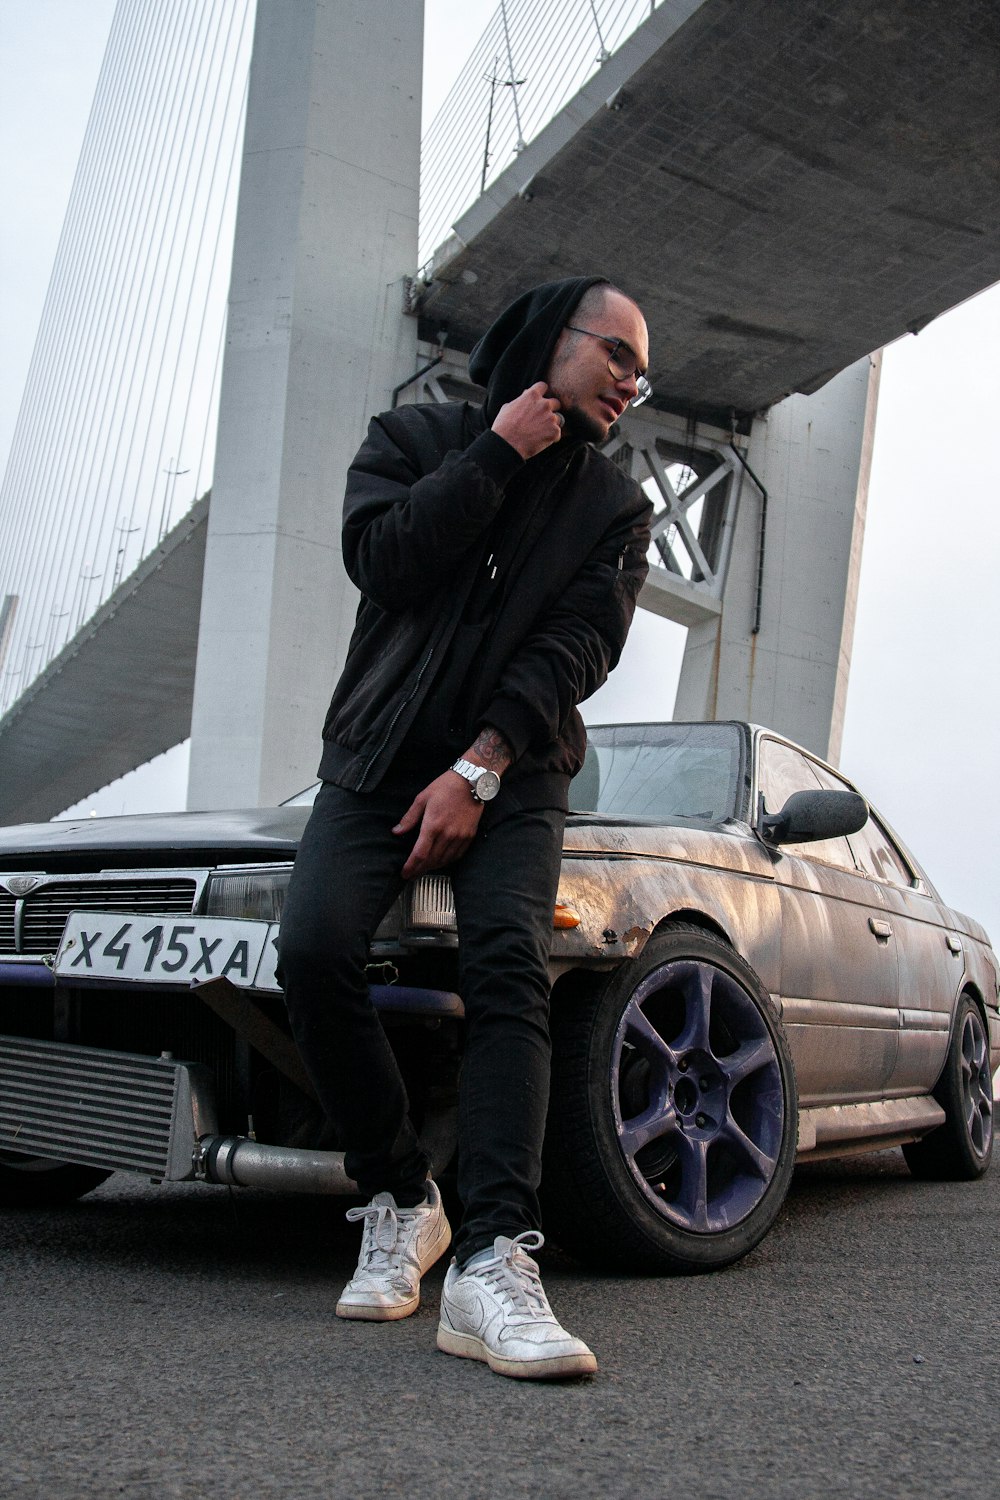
628 385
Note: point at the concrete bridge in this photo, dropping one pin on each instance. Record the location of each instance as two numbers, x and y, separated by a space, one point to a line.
784 185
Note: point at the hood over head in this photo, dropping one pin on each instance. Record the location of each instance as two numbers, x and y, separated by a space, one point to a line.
516 349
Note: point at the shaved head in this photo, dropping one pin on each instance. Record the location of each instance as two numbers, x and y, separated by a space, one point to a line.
595 299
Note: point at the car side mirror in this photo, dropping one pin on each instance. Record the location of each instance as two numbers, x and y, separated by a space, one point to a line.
809 816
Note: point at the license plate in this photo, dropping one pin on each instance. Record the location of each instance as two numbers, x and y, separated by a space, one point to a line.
162 950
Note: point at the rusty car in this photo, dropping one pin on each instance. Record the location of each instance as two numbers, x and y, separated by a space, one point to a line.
749 970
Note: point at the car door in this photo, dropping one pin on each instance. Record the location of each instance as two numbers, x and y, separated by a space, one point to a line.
930 957
839 987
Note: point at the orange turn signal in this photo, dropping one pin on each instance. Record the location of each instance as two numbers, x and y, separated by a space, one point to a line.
565 916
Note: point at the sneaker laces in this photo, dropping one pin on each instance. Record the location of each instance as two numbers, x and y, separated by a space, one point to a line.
381 1234
515 1276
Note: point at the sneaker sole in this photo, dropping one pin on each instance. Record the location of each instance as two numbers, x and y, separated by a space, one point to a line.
556 1367
389 1312
377 1312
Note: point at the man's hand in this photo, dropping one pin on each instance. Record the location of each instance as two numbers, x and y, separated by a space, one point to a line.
448 817
531 422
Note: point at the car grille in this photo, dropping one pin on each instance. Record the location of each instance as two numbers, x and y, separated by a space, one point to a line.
45 908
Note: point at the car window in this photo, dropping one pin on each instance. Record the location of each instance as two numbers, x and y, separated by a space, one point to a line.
782 771
662 771
878 856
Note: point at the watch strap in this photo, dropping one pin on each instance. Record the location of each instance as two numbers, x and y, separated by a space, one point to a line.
468 769
474 774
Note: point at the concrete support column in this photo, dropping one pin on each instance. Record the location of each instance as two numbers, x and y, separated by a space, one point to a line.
813 456
326 234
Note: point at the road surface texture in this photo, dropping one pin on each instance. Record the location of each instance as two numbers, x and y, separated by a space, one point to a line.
181 1341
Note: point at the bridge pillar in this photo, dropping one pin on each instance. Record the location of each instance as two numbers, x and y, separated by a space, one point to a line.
317 339
812 454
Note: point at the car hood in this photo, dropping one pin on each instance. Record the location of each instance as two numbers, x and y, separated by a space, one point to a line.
265 830
275 832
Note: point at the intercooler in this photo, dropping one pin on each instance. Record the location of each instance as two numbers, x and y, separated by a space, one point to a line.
122 1111
114 1110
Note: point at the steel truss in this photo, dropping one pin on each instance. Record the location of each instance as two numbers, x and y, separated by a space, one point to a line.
691 472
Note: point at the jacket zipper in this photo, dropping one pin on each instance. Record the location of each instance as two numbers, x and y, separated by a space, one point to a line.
392 724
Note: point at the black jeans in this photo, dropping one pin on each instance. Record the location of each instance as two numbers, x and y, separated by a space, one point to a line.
346 876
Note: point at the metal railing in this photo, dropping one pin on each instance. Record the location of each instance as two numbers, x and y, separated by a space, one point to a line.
533 56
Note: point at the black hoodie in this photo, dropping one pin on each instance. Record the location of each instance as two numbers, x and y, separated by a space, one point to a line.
494 591
516 350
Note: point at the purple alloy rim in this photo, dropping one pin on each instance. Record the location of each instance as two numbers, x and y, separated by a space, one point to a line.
977 1085
697 1094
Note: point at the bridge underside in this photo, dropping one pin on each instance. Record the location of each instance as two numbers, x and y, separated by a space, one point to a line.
784 187
118 694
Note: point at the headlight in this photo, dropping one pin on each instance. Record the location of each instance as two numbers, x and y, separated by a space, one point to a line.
248 893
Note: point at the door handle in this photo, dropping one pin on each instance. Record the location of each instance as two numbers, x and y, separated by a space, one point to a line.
954 945
881 929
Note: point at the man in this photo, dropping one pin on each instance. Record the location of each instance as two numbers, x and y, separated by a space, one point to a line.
499 557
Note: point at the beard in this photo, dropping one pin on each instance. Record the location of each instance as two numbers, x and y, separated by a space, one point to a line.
584 428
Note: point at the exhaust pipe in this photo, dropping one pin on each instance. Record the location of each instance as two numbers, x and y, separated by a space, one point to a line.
238 1161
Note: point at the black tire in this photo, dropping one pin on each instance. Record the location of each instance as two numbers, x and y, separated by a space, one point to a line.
673 1119
36 1182
961 1148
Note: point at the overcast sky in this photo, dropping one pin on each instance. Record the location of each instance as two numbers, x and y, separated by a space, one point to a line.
923 714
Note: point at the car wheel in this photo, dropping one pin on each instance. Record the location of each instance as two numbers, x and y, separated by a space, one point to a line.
36 1182
960 1149
673 1118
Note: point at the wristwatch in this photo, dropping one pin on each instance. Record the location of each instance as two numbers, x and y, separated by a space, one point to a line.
483 784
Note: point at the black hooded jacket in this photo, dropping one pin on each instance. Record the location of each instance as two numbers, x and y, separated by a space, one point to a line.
494 590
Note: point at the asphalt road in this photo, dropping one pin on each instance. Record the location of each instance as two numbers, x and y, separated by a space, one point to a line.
180 1341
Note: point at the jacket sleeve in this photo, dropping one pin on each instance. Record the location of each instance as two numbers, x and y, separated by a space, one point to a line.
571 650
406 531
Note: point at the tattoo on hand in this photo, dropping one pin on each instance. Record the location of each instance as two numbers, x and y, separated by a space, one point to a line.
493 750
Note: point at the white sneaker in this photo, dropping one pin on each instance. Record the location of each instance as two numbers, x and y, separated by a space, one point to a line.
497 1311
398 1246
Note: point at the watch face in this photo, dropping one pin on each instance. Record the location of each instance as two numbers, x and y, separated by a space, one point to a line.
486 786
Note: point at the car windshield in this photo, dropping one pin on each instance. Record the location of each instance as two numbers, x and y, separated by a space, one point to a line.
659 772
662 772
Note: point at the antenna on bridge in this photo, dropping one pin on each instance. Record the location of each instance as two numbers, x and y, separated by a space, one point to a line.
509 83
